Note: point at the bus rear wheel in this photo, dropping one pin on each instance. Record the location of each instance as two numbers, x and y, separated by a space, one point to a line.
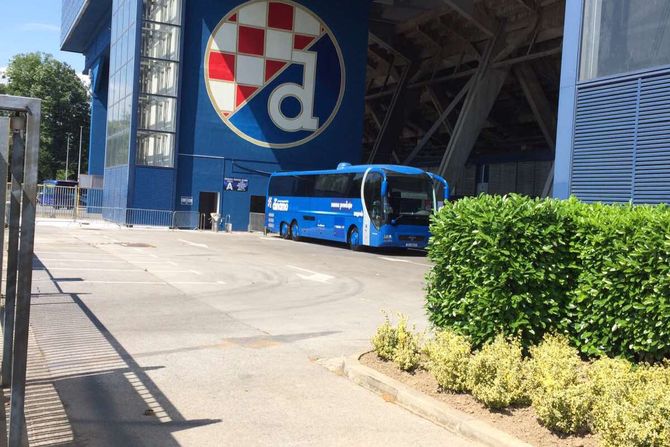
295 231
284 231
354 239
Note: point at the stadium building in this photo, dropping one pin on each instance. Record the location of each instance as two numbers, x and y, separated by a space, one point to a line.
195 102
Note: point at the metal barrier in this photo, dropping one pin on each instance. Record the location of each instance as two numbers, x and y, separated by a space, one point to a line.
25 127
256 221
186 220
84 204
68 202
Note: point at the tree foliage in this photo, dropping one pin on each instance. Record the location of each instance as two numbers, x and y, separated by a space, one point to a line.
65 107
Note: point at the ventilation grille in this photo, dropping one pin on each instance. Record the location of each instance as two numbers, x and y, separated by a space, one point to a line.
622 141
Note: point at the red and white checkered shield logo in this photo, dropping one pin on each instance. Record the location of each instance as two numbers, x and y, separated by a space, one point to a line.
274 73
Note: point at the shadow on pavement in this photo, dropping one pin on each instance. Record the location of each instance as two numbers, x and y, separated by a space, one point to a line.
407 252
109 399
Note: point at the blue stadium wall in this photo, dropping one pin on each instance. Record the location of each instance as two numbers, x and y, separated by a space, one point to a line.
613 142
210 151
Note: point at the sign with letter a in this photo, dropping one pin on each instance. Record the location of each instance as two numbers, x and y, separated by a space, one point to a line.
274 73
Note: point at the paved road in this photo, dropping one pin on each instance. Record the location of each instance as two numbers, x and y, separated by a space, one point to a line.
163 338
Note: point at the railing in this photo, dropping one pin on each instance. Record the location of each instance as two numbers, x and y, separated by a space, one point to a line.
81 204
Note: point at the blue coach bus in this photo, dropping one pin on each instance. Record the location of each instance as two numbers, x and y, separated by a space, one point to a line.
367 205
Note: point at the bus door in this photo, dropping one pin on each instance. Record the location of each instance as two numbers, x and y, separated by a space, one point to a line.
373 206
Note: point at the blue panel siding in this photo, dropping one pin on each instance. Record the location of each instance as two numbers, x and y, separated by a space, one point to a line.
652 156
153 188
116 187
622 141
69 12
98 135
602 163
81 21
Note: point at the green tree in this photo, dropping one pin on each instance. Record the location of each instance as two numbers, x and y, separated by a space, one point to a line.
3 89
65 107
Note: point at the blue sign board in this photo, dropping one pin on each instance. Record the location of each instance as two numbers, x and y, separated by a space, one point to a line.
236 184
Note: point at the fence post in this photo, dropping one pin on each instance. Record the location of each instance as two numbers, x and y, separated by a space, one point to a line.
4 154
76 202
4 164
18 435
18 148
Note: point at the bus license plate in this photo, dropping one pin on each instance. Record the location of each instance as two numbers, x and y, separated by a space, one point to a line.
411 244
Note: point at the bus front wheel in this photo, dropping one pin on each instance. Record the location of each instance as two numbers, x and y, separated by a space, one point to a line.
354 239
295 231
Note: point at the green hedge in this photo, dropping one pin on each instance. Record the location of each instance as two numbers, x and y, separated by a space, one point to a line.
524 267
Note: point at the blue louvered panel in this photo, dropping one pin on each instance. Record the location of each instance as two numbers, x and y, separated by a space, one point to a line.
604 141
652 155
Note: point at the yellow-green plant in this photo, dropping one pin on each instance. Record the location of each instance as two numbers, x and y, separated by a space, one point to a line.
496 374
565 410
385 340
557 386
448 358
407 353
632 404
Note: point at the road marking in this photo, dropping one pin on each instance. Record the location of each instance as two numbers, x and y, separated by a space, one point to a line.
99 261
393 260
193 244
404 261
138 270
151 283
270 238
313 276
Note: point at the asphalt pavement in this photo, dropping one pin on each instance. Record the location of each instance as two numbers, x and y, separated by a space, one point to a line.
167 338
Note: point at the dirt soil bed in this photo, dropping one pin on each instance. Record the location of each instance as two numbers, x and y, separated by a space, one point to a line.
519 422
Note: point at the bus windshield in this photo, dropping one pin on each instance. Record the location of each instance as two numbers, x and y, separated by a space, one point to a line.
410 199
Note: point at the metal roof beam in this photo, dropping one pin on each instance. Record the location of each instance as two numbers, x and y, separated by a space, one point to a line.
438 123
486 85
481 20
544 112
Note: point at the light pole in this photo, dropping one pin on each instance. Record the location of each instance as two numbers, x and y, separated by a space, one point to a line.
67 156
81 134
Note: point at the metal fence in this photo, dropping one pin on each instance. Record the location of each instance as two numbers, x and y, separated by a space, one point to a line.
85 204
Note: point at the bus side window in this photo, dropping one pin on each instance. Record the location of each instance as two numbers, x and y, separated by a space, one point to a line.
355 186
373 198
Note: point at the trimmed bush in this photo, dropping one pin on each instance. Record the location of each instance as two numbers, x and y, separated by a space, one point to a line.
623 294
448 359
502 265
557 386
525 267
496 374
407 353
632 405
385 340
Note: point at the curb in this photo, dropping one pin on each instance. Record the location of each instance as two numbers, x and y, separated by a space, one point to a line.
425 406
